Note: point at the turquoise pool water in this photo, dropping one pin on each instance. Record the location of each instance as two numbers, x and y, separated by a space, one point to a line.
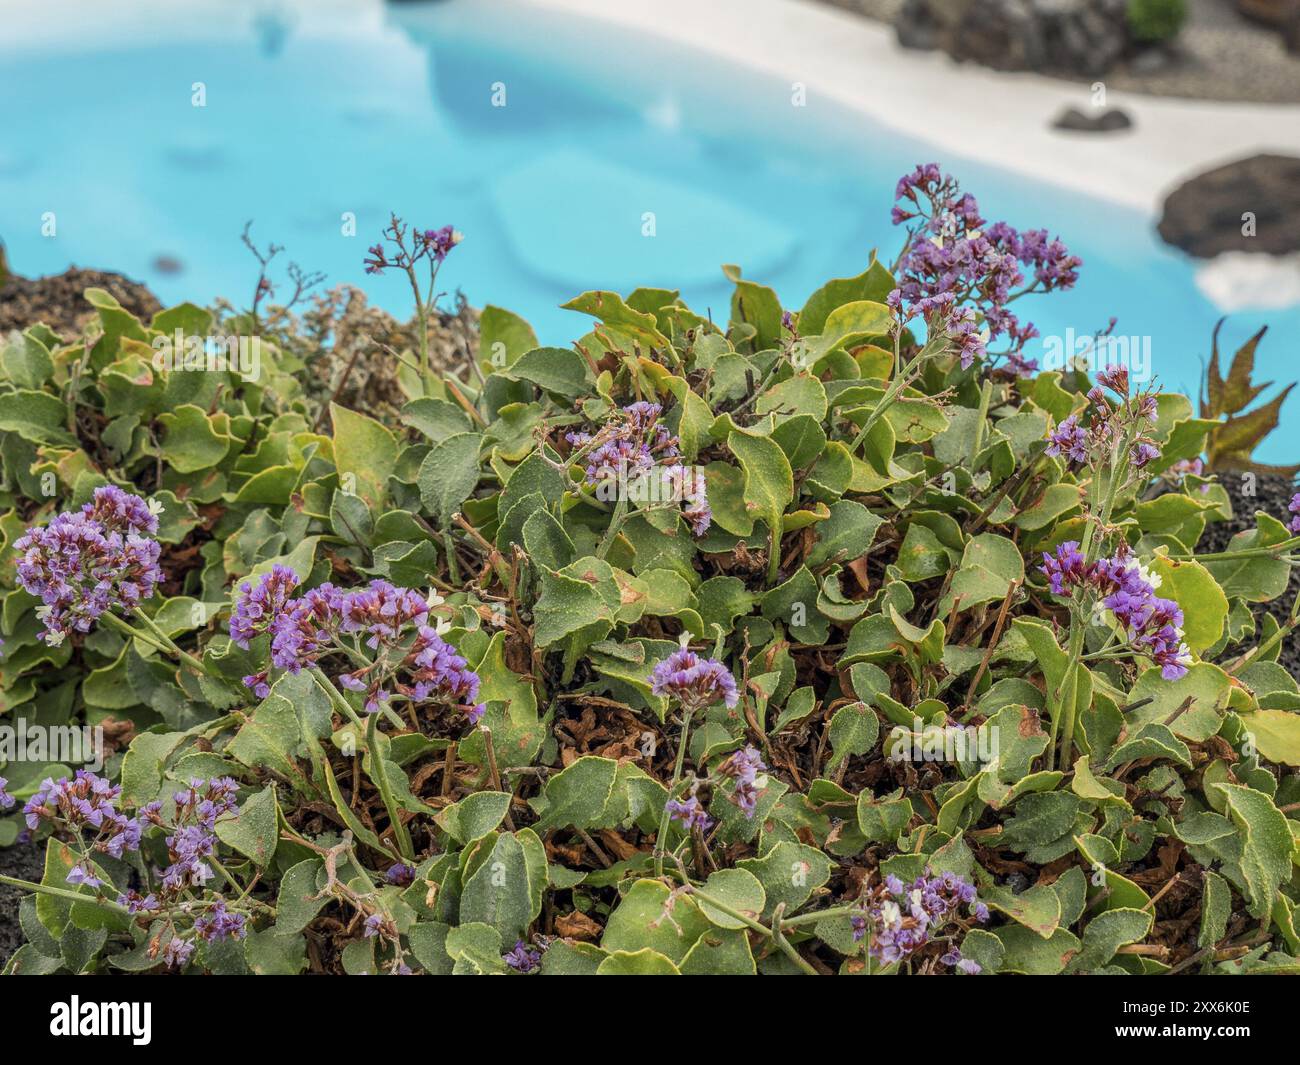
317 112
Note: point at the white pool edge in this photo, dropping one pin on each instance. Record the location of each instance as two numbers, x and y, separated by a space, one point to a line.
994 118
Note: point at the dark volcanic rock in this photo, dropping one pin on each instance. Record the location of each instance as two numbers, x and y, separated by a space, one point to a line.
1075 37
1099 122
1272 494
59 300
1204 215
23 862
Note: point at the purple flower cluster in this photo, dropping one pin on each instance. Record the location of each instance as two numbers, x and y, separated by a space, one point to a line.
901 919
1070 439
87 562
1108 424
194 838
744 767
440 673
632 441
85 803
6 800
523 958
258 604
689 812
633 445
390 622
219 923
960 274
432 244
1294 509
1152 625
693 681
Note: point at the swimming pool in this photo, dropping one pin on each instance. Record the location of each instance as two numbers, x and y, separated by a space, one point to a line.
616 161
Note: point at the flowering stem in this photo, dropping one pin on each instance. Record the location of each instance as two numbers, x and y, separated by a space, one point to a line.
380 776
1069 692
158 640
60 893
615 524
661 838
895 387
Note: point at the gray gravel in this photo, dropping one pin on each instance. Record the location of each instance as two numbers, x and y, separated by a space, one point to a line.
1218 56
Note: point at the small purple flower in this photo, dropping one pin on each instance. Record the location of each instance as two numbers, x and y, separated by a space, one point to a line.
400 874
690 813
745 767
1294 508
81 874
374 924
1143 453
6 800
1114 377
1065 569
136 903
1069 439
219 923
693 681
523 958
256 605
177 953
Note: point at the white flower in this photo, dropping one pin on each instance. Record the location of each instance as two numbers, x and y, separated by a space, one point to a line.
1152 579
54 637
156 508
433 599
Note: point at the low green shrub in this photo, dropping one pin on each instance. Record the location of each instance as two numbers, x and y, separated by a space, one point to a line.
830 639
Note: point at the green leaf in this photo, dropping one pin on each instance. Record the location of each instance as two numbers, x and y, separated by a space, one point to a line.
255 831
1266 840
1216 910
854 729
299 900
559 370
35 416
475 815
1109 931
789 873
578 794
500 892
637 922
1204 606
503 336
737 889
644 962
365 454
191 441
448 476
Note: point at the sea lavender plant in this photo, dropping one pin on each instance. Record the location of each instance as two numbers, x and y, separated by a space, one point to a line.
903 923
87 563
85 810
405 248
6 800
633 455
961 274
374 640
693 683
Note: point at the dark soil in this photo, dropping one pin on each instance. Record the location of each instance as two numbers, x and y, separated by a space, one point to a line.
25 861
1272 494
59 300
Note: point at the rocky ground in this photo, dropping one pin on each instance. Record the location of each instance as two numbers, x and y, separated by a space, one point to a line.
1219 55
25 862
58 300
1272 494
